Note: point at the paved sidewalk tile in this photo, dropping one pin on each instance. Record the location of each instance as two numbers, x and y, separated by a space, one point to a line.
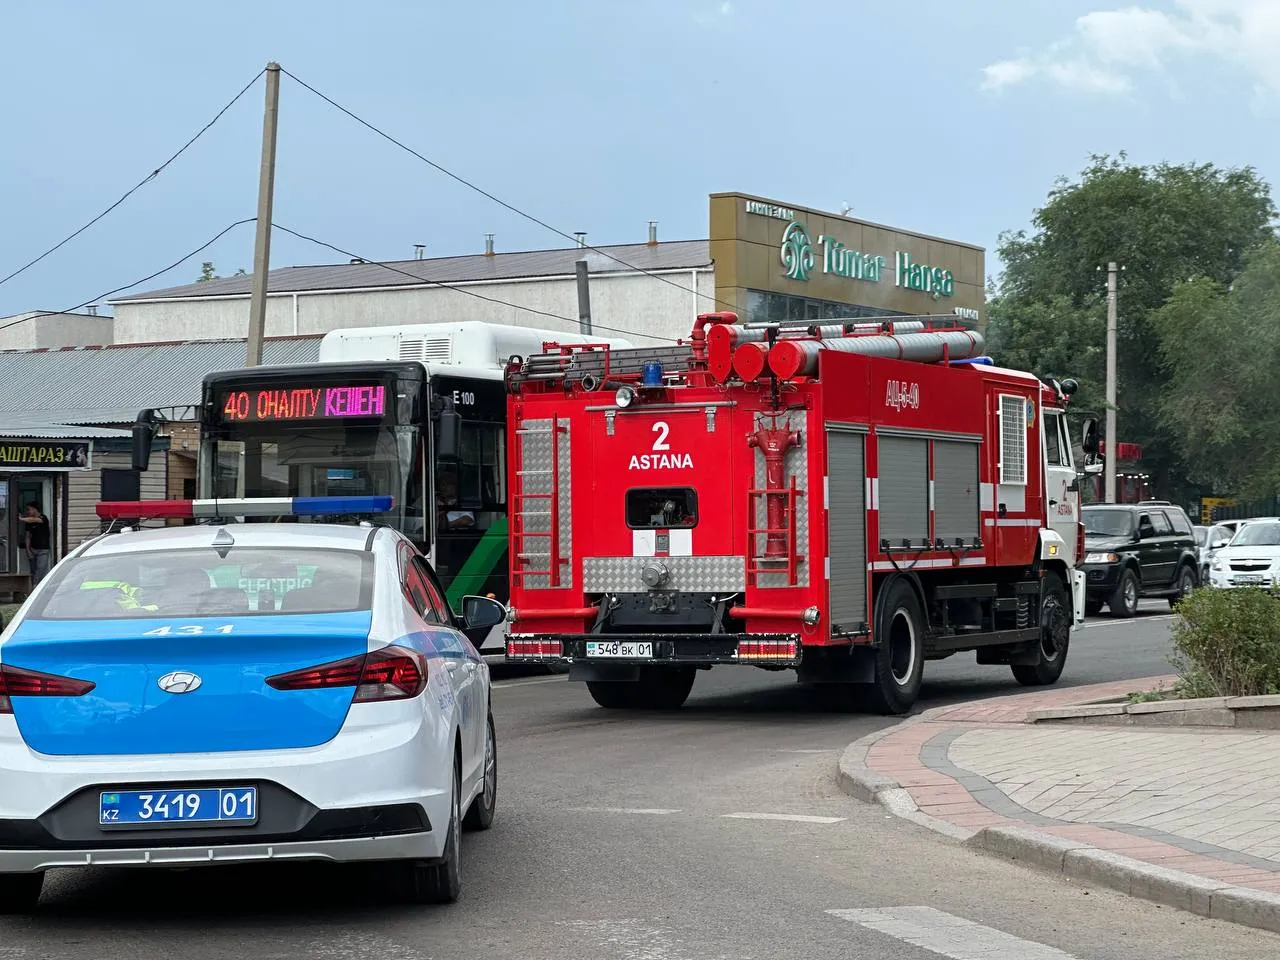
1202 801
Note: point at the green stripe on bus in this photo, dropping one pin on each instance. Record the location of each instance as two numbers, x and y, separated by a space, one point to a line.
480 565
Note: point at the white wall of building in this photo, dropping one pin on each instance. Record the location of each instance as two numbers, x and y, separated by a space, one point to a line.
36 330
646 309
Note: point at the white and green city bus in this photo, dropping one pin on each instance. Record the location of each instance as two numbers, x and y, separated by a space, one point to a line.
416 411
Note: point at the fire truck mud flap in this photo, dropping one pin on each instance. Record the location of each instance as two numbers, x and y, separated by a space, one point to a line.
1077 598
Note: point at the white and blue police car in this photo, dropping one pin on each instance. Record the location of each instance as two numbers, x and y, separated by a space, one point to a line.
232 692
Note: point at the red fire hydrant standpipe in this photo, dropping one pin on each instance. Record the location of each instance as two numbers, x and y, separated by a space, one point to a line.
774 443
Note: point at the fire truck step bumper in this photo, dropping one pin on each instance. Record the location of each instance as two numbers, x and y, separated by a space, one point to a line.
614 652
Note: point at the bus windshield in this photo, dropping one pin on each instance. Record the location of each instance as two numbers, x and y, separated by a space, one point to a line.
323 460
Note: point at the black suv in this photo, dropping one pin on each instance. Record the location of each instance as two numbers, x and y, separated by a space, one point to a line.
1137 550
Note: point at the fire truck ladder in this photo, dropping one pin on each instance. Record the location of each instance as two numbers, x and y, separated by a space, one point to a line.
522 513
779 554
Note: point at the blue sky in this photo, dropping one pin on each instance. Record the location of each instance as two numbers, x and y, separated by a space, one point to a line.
951 118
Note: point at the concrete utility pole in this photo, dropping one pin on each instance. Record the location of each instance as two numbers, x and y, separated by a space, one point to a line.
1112 444
262 242
584 299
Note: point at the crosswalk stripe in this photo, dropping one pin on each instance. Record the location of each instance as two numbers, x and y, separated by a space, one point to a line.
948 935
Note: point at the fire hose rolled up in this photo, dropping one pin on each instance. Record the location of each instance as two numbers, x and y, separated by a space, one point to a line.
725 339
799 358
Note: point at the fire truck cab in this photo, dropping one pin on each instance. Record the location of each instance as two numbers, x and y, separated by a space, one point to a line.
846 500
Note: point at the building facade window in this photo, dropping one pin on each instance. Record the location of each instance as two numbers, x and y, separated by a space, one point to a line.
763 306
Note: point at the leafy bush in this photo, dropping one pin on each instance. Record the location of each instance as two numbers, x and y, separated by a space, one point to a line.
1227 643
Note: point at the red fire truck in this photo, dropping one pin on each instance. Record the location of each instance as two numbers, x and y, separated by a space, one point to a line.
847 500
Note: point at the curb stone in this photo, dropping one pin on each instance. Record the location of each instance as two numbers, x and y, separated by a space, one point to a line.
862 783
1214 899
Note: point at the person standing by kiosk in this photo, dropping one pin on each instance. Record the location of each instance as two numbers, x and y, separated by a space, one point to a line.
37 541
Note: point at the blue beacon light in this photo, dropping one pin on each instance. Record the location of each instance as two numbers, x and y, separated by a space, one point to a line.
652 376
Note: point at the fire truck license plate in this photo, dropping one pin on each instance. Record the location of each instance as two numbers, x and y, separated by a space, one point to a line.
597 648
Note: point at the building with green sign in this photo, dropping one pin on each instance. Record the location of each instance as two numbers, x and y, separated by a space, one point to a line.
783 262
761 257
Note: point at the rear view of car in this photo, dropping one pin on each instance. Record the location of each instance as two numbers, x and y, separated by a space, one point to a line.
203 695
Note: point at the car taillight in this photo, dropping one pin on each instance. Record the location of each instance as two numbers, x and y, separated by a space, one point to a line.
16 682
1079 543
392 673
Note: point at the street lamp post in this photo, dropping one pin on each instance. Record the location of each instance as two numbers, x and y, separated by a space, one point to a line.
1112 445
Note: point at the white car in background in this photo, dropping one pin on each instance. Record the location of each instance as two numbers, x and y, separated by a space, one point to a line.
1211 539
1251 559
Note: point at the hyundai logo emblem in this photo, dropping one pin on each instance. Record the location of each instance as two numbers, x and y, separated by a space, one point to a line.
179 682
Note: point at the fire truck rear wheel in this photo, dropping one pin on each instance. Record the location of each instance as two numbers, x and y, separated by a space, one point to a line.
1055 635
658 688
899 656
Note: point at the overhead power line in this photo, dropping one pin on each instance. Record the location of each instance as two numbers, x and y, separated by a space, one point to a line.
129 286
457 289
502 203
141 183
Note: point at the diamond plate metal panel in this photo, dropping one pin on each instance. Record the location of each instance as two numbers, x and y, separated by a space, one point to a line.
535 445
688 574
795 465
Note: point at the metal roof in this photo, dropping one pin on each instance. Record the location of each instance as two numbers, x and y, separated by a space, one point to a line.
41 430
667 255
83 385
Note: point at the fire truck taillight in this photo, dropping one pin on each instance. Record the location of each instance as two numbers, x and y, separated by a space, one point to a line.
767 649
517 647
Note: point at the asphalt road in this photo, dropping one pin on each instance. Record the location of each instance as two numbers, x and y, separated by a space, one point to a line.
715 832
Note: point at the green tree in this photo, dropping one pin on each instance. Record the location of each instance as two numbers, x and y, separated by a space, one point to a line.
1165 224
1220 347
206 272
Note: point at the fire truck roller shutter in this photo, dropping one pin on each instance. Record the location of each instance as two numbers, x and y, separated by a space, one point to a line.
847 526
904 489
955 491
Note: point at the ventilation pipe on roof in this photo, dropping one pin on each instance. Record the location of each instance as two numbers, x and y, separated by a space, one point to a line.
488 244
582 237
419 250
653 233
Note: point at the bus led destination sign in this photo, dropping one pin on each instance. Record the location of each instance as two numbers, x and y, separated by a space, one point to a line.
304 403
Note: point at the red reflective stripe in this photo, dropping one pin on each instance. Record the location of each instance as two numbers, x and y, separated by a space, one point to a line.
110 509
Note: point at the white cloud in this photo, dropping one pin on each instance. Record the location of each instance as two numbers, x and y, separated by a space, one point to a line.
1109 48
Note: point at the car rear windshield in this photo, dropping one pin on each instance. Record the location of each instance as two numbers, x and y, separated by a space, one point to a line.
247 581
1107 523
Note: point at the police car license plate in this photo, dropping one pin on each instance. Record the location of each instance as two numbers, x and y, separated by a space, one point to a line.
600 648
1250 578
167 808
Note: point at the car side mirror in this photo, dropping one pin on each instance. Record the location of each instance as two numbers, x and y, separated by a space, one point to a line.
1089 435
1218 544
449 440
482 613
144 432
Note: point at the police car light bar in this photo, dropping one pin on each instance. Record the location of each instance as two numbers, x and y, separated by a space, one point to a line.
244 507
